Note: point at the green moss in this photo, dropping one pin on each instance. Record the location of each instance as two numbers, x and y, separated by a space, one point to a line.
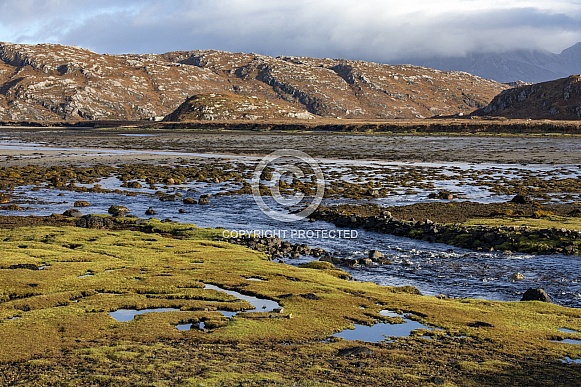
64 318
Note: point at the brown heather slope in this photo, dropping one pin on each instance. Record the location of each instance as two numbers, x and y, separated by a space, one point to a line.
49 82
555 100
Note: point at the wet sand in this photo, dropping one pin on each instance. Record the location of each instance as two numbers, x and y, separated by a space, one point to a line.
71 144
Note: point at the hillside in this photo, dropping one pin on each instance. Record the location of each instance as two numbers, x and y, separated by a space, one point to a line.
556 100
530 66
52 82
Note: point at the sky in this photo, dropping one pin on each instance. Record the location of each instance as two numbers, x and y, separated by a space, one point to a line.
376 30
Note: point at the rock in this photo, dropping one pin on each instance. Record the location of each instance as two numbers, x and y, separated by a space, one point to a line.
26 266
375 255
521 199
443 195
92 221
118 210
168 198
11 207
204 199
355 351
480 324
190 201
517 277
4 199
438 380
538 294
150 211
182 211
134 184
72 213
81 203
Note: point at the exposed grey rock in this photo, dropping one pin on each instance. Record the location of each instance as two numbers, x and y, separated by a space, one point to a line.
536 295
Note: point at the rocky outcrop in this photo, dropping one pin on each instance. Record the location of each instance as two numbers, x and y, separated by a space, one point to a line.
479 238
48 82
556 100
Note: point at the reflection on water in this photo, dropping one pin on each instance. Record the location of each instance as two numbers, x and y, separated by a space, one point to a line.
381 331
259 304
124 315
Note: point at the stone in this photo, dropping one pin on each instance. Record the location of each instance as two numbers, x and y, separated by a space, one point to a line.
480 324
517 277
116 210
4 199
168 198
134 184
150 211
375 255
72 214
81 203
204 199
521 199
538 294
92 221
189 201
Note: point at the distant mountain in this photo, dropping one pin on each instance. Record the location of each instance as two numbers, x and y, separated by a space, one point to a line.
557 100
520 65
49 82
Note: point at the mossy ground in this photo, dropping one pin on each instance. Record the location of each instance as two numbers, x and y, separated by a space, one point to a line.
55 326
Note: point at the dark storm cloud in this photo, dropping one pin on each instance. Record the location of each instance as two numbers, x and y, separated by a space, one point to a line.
364 29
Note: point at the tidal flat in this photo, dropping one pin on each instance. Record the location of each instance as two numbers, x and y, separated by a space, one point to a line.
61 282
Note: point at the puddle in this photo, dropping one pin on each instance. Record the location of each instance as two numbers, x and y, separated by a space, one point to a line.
187 327
567 330
124 315
568 360
87 274
254 279
568 341
260 304
381 331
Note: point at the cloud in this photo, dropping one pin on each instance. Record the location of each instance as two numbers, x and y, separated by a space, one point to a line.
380 30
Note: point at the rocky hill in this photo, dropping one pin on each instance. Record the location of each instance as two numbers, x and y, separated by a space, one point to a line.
556 100
53 82
524 65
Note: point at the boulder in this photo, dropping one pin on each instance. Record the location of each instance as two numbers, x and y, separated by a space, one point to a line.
134 184
4 199
150 211
190 201
118 210
521 199
517 277
168 198
92 221
538 294
375 255
72 214
204 199
81 203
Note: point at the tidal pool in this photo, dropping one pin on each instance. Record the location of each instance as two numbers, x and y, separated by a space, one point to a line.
259 304
382 331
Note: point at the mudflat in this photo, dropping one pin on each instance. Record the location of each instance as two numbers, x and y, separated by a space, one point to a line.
502 149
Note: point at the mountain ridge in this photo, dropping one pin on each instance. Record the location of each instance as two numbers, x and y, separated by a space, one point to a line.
48 82
532 66
556 100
